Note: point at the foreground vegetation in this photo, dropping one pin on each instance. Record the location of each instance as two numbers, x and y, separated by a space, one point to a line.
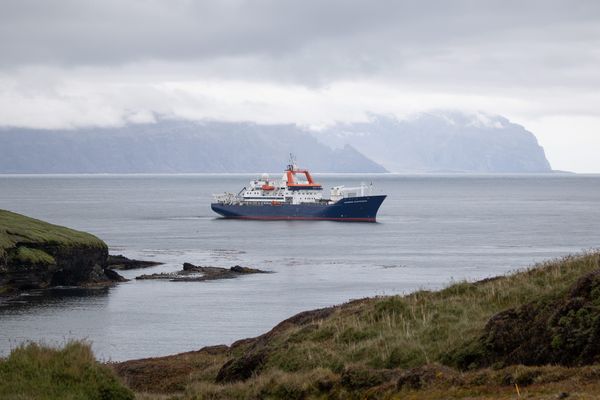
532 334
40 372
460 342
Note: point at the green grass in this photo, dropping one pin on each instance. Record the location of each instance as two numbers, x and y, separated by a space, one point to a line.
33 371
408 331
16 229
25 255
370 342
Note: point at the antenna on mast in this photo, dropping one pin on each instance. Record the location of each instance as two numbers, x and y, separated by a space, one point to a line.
292 165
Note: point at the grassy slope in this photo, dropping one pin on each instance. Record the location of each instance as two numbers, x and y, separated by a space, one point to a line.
38 372
16 228
363 346
419 328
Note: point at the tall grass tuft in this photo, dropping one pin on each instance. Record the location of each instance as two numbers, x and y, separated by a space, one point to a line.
34 371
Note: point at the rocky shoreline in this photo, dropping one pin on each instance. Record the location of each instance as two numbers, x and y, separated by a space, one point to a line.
194 273
120 262
38 255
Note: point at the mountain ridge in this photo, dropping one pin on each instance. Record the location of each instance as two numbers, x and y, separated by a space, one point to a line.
435 142
173 146
443 141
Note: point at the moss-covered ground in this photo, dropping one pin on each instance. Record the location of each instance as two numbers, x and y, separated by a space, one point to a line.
30 234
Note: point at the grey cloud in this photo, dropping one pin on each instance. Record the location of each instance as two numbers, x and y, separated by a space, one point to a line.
72 31
71 63
311 41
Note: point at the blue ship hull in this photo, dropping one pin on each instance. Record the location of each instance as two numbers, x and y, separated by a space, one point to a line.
362 208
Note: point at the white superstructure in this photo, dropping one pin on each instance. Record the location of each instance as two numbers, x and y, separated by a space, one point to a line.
296 186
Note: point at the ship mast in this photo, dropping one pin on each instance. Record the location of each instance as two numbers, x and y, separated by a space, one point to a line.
292 165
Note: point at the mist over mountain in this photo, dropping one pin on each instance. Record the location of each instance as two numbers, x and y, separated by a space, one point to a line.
428 142
170 146
443 142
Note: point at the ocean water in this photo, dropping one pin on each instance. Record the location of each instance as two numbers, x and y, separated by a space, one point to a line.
431 231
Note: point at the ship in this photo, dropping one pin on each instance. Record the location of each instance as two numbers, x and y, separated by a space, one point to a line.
296 196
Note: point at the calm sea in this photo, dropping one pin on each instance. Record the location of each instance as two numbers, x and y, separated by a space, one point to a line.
432 230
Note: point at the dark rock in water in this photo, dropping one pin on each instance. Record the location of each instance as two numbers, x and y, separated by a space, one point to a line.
195 273
114 276
245 270
189 267
562 330
162 275
121 262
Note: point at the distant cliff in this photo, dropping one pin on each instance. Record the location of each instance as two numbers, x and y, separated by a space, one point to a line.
173 147
443 142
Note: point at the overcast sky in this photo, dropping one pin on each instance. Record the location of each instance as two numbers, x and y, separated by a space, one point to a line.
70 63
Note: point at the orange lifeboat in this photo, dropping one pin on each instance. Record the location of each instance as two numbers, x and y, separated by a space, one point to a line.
267 187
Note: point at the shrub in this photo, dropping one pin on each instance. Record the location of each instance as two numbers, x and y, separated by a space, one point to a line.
33 371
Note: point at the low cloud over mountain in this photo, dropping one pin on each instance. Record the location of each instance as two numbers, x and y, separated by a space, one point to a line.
171 147
440 142
443 142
